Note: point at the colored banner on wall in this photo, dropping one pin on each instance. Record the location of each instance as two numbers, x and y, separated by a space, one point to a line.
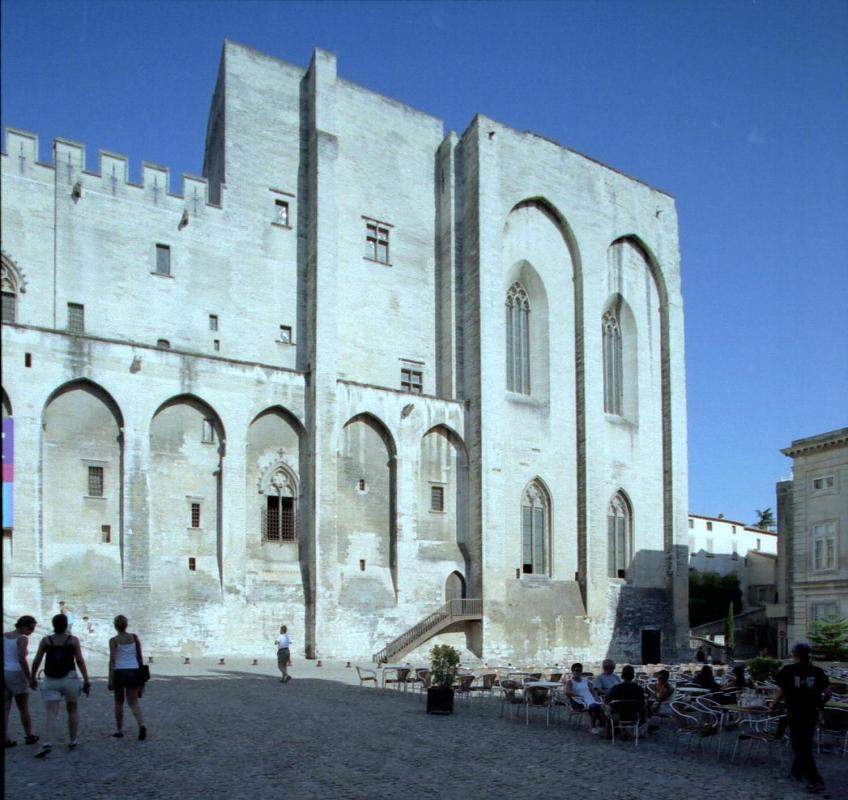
8 472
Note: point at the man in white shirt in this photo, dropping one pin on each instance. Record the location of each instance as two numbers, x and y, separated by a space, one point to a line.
607 679
63 609
284 653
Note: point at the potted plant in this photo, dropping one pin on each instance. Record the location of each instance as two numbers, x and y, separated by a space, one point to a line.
444 665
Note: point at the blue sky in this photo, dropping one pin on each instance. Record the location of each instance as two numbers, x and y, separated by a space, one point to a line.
740 110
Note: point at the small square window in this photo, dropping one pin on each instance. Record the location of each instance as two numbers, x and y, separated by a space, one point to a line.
163 259
709 526
824 483
362 565
27 359
192 565
691 523
76 318
105 534
208 434
286 334
216 345
377 242
195 515
95 481
733 529
437 498
163 344
411 380
281 212
361 484
213 322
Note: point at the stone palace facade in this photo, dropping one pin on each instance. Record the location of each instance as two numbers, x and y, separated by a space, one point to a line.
360 368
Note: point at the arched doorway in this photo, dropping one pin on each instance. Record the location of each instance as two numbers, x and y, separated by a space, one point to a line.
454 587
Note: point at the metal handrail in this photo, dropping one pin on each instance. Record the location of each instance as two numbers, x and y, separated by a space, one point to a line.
453 609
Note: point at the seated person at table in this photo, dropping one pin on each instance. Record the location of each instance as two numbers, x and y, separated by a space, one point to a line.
705 679
737 681
632 695
607 679
660 696
579 692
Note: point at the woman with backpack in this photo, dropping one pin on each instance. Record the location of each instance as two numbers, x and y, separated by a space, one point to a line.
61 654
126 676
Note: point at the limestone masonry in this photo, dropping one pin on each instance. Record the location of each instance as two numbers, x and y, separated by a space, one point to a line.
359 369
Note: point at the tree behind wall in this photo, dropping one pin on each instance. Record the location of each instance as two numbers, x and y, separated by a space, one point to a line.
710 595
829 638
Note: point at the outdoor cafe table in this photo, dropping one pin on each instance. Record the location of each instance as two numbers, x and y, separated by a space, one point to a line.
691 690
401 672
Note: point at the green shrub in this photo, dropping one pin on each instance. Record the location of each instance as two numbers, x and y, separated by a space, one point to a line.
829 638
444 665
762 668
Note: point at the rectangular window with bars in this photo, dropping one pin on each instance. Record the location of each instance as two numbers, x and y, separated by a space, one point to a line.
213 322
278 520
9 306
192 565
412 380
76 318
377 242
195 515
163 259
281 212
106 534
437 498
95 481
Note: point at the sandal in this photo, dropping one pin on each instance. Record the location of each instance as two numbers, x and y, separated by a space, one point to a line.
118 735
142 733
31 739
72 745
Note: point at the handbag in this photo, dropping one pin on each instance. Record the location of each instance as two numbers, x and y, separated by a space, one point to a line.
145 670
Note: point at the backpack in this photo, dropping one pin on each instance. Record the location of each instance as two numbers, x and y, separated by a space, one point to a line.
59 658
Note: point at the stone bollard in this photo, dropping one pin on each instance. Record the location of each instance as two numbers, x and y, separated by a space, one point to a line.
186 661
348 664
220 662
319 664
255 662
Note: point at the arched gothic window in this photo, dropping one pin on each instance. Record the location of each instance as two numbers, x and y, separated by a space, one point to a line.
535 530
517 340
279 520
613 370
10 287
620 536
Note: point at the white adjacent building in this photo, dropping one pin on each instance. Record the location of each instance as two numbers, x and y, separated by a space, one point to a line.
361 367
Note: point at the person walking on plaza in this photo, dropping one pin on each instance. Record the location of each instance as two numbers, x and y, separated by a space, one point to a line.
805 689
64 609
17 679
284 653
126 676
61 654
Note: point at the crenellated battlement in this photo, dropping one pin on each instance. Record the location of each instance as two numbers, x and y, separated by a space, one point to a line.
20 155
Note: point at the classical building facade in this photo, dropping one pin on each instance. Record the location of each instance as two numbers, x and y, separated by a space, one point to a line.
812 517
359 368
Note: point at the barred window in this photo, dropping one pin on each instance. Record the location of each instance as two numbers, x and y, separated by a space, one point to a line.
377 242
213 322
437 498
163 259
411 380
279 521
613 365
195 515
76 318
192 564
105 534
9 306
95 481
517 340
619 536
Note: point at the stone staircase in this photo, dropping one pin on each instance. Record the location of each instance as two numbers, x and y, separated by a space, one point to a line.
460 610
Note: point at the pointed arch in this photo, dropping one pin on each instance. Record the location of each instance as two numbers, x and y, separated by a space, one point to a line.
619 535
92 388
289 416
665 379
455 586
561 223
536 534
379 426
212 421
517 339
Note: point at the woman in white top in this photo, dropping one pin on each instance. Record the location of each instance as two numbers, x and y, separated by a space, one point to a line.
579 691
284 653
17 679
126 678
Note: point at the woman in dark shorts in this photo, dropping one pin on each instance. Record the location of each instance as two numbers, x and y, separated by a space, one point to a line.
126 679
